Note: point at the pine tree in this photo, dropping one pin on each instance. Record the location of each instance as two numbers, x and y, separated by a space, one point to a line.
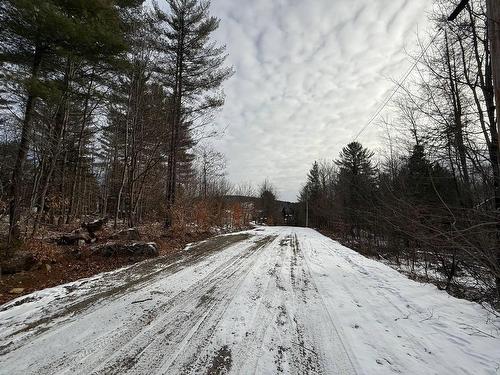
194 71
355 160
268 197
313 182
35 36
425 183
356 185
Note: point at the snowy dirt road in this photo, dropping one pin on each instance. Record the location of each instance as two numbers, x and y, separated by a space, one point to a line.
268 301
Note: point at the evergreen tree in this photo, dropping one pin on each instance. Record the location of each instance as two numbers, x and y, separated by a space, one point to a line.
356 185
268 203
35 35
194 71
355 160
313 182
425 183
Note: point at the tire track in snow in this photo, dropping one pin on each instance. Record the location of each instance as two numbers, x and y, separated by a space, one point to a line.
106 290
97 349
282 300
343 363
175 320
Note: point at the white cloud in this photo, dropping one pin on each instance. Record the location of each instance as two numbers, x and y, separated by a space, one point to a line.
309 74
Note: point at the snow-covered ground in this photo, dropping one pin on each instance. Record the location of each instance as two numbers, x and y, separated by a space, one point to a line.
271 300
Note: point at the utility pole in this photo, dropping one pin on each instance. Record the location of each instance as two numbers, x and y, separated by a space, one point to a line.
307 205
493 14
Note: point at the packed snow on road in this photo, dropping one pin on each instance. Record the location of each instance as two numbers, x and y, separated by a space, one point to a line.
267 301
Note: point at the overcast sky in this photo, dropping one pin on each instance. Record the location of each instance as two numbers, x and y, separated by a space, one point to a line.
309 74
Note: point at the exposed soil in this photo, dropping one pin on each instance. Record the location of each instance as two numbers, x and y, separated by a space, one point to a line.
221 364
56 264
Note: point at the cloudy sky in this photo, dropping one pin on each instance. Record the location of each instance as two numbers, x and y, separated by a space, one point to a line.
309 74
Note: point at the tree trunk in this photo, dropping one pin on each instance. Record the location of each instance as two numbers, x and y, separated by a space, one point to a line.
56 141
18 173
176 124
125 156
76 169
457 129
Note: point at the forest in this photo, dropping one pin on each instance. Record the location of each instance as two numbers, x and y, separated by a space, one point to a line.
107 109
249 187
114 99
427 201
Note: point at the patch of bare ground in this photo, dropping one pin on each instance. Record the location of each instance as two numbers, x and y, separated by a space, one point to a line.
221 363
58 264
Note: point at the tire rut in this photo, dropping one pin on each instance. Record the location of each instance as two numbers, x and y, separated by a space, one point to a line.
191 308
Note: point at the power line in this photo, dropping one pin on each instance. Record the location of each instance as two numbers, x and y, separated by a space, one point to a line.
397 86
